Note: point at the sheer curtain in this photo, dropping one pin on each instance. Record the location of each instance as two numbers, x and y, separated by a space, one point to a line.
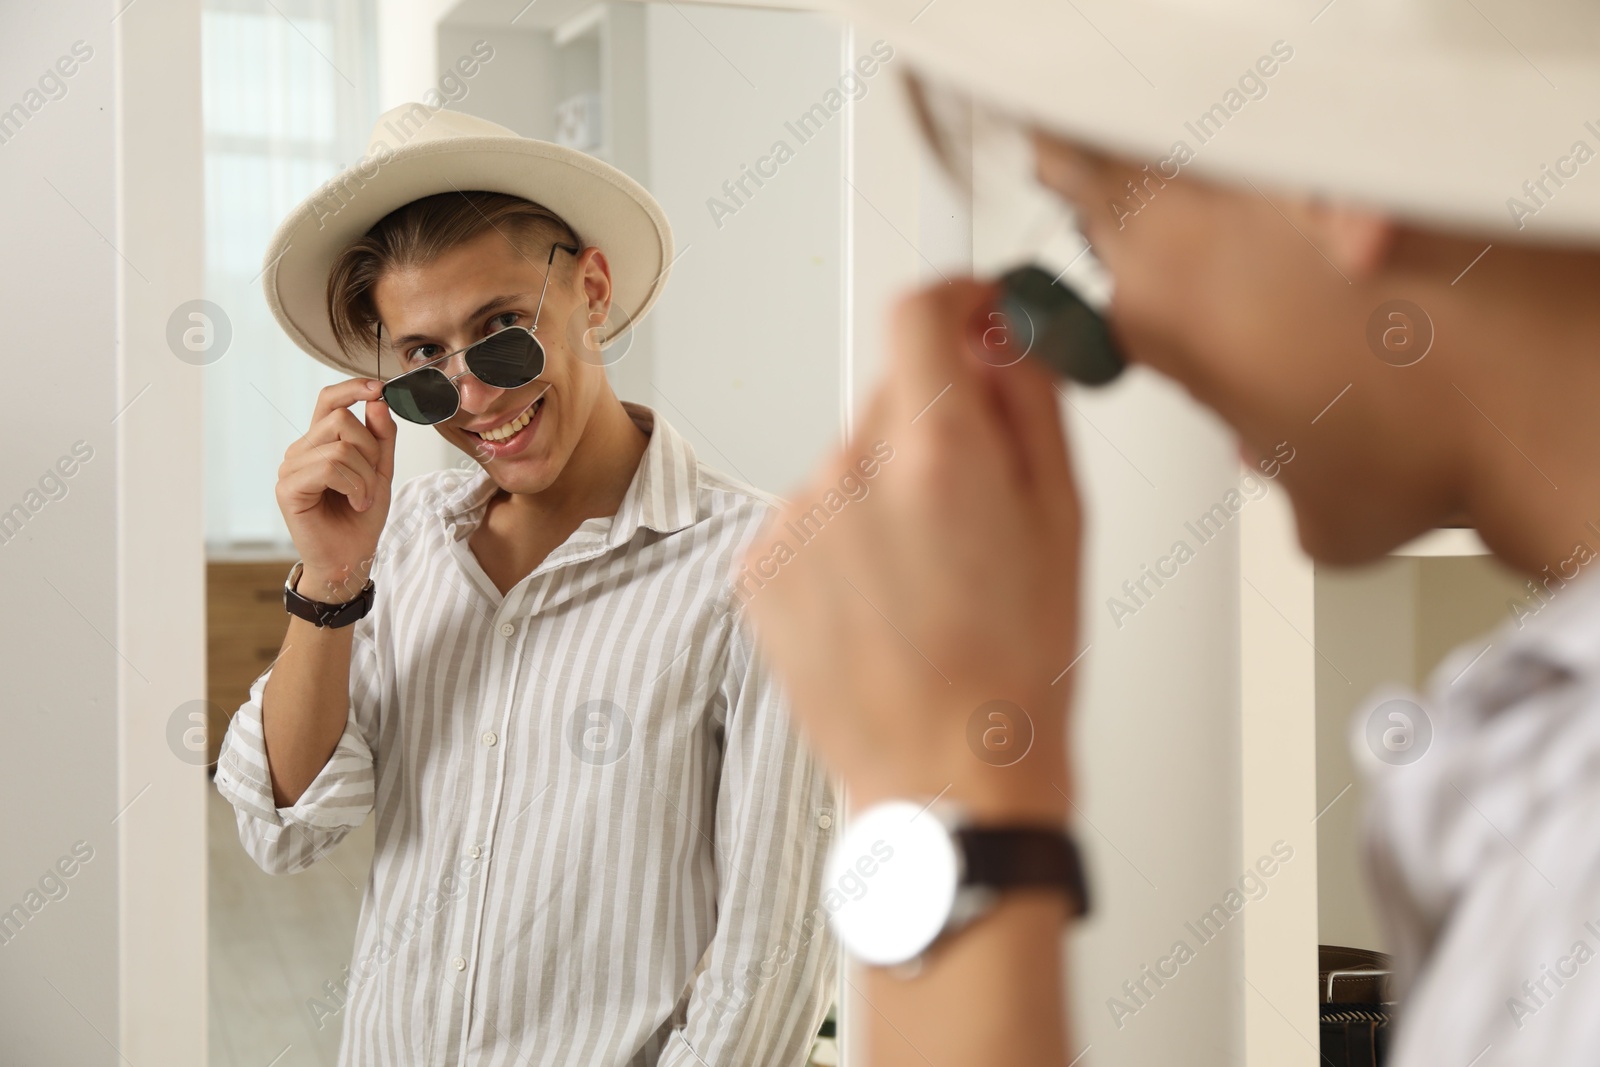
289 95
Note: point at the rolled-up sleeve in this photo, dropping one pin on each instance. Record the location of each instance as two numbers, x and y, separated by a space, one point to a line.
767 978
289 839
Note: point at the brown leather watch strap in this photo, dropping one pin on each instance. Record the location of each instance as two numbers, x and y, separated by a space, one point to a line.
1012 857
330 616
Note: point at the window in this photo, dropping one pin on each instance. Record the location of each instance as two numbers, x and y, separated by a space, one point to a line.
289 93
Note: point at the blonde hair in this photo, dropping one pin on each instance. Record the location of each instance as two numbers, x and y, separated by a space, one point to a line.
416 234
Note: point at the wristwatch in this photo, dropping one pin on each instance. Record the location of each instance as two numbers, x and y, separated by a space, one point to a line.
905 875
332 616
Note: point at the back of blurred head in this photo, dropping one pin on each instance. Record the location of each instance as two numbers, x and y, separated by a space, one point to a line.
1368 230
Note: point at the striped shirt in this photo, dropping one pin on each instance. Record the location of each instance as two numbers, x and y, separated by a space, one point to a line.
1484 851
598 841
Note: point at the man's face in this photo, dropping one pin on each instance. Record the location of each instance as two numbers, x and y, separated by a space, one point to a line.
1260 310
469 292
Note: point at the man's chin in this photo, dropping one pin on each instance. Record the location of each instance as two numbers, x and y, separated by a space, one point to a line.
519 479
1348 537
522 473
530 471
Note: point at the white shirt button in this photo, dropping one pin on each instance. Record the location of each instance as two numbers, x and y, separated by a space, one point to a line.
491 738
461 963
824 821
474 851
507 629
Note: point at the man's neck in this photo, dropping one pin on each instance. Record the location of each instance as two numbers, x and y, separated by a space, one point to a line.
1528 427
593 482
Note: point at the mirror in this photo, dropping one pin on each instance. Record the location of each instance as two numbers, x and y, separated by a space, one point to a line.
585 840
1388 625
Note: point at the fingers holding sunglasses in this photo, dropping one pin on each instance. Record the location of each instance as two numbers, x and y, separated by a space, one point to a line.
343 394
339 467
332 419
335 505
341 424
380 424
334 484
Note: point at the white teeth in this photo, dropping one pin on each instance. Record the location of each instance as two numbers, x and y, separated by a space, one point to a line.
500 433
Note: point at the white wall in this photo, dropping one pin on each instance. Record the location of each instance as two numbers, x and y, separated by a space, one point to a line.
61 675
516 88
161 785
1366 627
1157 728
102 638
749 330
1279 639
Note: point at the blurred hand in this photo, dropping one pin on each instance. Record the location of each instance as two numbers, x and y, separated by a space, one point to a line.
334 489
952 585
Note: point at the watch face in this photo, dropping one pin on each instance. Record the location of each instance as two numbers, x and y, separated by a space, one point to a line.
890 882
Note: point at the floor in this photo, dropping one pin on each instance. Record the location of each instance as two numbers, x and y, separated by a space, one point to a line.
274 941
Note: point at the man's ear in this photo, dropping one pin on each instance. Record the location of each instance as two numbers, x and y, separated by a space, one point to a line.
1357 240
595 274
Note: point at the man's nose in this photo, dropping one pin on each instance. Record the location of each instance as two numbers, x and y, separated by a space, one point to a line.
476 397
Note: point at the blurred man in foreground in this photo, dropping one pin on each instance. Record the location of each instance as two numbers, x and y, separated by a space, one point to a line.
1260 244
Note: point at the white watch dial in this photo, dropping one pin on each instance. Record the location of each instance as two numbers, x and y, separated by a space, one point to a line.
890 882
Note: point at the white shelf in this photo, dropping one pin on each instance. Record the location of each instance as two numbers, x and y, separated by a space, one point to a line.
250 552
1446 542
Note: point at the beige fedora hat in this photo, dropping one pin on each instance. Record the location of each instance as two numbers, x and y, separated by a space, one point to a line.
1481 116
416 151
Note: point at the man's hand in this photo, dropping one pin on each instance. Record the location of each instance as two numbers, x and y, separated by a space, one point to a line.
334 488
925 632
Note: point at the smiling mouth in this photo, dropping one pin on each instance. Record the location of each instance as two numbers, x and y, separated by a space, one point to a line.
509 429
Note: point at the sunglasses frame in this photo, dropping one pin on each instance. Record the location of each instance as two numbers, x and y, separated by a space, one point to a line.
432 364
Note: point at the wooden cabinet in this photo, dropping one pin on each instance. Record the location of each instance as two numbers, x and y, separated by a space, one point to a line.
245 624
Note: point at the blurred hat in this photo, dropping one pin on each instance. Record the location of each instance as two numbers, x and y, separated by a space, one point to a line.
1474 115
417 151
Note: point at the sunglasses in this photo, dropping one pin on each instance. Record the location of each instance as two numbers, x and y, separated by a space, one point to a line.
506 359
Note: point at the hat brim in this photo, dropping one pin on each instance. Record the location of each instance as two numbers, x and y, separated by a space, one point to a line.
606 208
1441 122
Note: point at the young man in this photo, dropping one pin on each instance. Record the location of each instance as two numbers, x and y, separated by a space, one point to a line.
598 841
1400 142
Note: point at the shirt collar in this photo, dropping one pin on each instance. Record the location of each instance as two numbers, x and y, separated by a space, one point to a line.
1567 630
663 495
1563 635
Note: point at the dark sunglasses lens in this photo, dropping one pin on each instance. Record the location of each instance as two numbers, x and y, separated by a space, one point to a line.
424 396
507 359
